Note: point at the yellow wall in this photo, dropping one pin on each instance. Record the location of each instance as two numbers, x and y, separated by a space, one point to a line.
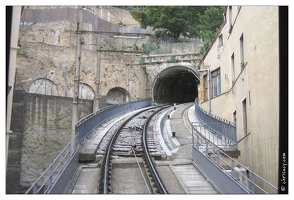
258 83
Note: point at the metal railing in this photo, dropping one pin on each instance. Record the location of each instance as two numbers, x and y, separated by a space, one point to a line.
220 127
88 124
213 137
227 174
45 183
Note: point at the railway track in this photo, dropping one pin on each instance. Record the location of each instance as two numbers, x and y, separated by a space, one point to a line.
132 137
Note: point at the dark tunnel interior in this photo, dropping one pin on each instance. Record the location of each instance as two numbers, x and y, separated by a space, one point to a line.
175 85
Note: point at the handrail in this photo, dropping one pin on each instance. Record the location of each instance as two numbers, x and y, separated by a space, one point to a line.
250 180
217 125
81 121
44 183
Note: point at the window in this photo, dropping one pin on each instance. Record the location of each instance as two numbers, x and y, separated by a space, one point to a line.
235 118
205 87
220 39
216 82
230 15
242 52
244 108
233 68
230 19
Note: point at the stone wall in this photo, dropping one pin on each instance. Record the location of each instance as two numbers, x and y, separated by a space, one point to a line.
47 55
181 47
111 14
47 130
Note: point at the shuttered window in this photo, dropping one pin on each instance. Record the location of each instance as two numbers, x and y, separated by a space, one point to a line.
216 82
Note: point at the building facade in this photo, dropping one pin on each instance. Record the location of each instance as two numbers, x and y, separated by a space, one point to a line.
240 83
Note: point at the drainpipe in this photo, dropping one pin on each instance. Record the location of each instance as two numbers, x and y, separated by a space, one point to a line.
127 92
208 85
96 99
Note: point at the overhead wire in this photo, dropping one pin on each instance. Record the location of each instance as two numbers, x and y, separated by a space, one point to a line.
114 15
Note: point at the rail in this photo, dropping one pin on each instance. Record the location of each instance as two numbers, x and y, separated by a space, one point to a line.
88 124
227 174
105 168
220 127
50 177
147 155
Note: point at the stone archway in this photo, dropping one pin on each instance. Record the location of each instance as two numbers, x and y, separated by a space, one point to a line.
85 92
173 83
116 95
43 86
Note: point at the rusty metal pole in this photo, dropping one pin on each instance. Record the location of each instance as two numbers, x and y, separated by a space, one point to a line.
96 99
127 92
77 76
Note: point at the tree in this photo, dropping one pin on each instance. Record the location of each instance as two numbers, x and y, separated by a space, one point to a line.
187 21
209 23
172 21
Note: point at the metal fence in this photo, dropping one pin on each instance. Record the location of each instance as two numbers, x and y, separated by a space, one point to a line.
220 127
211 135
226 174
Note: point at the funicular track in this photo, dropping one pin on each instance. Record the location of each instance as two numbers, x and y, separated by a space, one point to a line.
144 147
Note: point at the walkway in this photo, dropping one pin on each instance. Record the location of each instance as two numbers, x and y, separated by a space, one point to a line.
189 177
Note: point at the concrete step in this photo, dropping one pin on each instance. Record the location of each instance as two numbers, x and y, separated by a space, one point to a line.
192 181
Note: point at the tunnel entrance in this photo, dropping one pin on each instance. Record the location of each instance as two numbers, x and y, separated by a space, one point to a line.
176 84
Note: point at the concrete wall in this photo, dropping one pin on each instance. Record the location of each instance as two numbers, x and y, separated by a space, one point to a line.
14 152
258 82
47 130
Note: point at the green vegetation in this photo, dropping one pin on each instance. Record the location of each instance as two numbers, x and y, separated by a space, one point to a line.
172 21
208 25
180 21
22 47
173 59
149 46
139 15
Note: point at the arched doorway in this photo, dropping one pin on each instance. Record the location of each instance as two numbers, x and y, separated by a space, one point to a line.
43 86
85 92
116 95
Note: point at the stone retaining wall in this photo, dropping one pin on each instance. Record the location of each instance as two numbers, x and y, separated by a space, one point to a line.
47 130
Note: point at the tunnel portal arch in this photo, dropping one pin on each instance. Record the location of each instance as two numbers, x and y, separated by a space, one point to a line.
174 83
